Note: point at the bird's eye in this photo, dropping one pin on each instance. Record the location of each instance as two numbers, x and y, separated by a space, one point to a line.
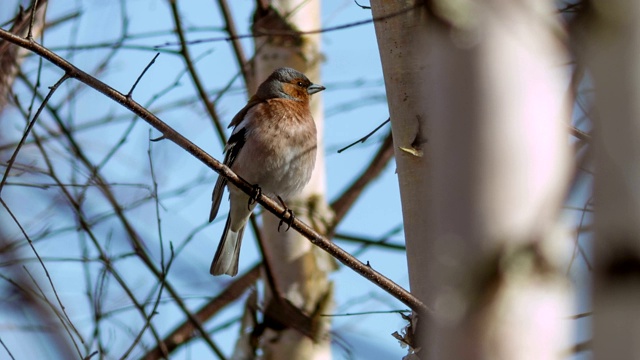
300 84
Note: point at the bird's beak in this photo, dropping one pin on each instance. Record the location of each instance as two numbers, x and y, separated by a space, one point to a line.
314 88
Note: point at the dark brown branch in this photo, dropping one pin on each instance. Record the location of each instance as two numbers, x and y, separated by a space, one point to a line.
269 204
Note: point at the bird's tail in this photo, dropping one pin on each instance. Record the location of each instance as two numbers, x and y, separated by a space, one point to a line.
226 259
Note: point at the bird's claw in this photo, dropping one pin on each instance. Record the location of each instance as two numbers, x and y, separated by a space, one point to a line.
253 198
290 218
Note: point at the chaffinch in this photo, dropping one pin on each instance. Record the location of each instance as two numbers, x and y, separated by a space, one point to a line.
273 146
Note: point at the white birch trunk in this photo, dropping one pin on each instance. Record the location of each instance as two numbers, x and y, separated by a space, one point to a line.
481 106
613 57
300 269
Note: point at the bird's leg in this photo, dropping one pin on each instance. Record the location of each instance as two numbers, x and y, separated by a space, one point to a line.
253 198
292 217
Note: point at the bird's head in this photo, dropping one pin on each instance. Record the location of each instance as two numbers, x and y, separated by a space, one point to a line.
288 83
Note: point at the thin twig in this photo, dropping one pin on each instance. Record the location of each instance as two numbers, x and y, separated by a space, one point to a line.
366 137
28 129
54 310
370 242
24 233
32 20
165 268
6 349
368 313
154 311
142 74
362 6
44 267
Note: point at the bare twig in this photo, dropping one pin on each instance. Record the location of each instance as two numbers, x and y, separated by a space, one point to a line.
32 20
6 349
29 127
382 242
63 319
362 6
165 268
366 137
142 74
62 344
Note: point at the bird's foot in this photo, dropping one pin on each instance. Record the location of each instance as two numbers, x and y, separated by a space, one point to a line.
289 219
255 194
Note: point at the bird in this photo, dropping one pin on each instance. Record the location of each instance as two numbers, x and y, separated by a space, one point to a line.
272 146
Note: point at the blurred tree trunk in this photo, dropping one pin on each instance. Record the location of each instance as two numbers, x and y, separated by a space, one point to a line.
613 55
299 269
477 104
11 56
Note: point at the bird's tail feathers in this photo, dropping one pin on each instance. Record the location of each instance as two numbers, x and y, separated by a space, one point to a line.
226 259
216 197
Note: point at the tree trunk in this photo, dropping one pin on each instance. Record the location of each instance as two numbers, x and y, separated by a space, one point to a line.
299 269
476 97
613 56
11 56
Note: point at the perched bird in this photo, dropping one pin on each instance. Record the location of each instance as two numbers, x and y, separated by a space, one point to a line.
273 146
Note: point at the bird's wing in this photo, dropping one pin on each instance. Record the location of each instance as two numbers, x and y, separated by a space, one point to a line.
232 149
242 113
